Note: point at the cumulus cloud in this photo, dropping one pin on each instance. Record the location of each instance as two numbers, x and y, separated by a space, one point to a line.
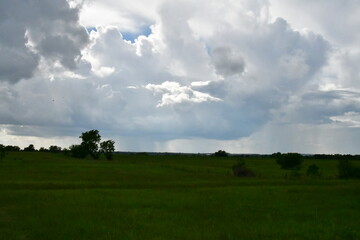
173 93
326 17
227 62
35 30
220 72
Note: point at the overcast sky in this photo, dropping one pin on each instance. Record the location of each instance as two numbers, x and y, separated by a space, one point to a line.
245 76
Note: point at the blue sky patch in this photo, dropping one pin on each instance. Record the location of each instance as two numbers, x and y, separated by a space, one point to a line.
90 29
132 36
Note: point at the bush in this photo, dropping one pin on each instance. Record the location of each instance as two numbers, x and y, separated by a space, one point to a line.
313 171
240 170
221 153
78 151
347 170
290 161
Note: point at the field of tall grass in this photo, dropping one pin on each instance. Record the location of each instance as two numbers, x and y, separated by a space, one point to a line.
52 196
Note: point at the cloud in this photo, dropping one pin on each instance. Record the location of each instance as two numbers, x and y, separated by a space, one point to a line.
227 62
173 93
349 119
219 72
325 17
37 30
320 107
127 16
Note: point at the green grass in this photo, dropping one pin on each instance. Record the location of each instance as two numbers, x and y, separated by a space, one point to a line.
50 196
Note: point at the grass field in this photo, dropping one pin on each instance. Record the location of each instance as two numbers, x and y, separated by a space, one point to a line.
51 196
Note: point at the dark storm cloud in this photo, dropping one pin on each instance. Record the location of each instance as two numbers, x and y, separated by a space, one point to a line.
227 62
34 29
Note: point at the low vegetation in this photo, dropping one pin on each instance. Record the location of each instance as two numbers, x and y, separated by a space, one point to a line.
289 161
240 170
347 169
45 195
313 171
60 193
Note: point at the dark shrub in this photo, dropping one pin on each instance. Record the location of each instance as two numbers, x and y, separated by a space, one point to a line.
78 151
347 170
290 161
313 171
221 153
240 170
293 174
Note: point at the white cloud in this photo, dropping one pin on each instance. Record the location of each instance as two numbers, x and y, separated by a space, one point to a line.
173 93
349 119
223 73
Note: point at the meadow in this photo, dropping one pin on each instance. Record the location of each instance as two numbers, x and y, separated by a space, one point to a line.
52 196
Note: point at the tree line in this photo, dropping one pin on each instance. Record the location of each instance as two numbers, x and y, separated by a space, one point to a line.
91 145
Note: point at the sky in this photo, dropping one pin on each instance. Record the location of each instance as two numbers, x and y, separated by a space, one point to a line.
245 76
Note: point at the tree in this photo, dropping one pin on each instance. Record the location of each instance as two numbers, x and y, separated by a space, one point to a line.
90 142
221 153
290 161
108 147
10 148
30 148
78 151
54 149
42 149
2 152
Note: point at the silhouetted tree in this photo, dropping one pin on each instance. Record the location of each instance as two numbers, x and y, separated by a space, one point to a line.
42 149
10 148
108 147
90 142
2 152
30 148
221 153
276 155
54 149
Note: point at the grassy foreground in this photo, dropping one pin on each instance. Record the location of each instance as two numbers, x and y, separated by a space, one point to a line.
50 196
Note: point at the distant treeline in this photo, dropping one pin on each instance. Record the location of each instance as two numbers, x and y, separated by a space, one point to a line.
335 156
220 153
31 148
